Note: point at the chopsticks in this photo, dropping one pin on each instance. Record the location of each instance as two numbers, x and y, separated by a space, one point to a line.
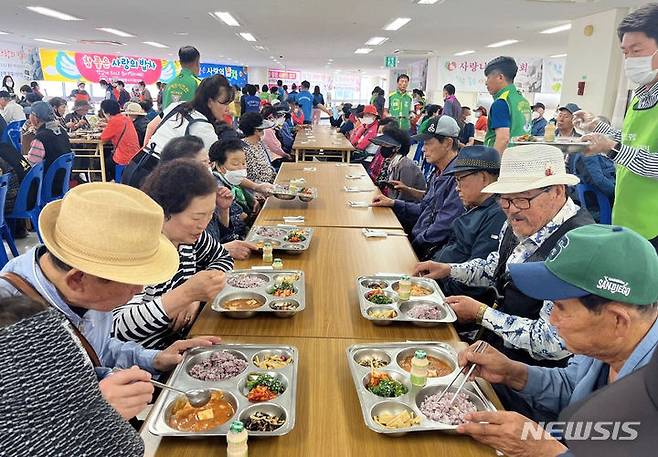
481 346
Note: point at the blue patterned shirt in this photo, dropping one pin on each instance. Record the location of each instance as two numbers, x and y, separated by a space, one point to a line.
538 337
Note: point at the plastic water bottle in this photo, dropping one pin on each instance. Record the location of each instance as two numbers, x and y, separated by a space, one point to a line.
237 440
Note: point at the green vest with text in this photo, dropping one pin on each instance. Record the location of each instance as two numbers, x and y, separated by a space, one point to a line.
399 107
636 197
520 112
180 89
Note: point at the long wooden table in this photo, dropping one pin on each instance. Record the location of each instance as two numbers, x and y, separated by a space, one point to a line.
331 208
329 421
321 141
89 149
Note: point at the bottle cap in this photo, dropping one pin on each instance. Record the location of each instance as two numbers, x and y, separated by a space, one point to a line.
237 426
420 354
406 278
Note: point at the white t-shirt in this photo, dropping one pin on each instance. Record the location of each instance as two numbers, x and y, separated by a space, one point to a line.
13 112
173 128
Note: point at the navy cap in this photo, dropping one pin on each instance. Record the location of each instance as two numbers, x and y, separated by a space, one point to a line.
386 141
476 158
538 282
43 111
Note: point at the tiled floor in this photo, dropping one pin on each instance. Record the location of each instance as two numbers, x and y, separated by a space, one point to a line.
24 245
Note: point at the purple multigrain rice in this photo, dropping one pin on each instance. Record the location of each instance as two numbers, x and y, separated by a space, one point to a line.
219 366
425 312
440 410
245 281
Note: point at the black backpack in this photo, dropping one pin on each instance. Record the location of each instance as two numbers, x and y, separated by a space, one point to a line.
145 161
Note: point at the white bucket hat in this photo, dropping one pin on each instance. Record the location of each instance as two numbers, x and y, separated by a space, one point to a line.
528 167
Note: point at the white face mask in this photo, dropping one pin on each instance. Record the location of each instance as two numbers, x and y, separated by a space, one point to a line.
368 120
478 114
280 121
535 115
640 69
235 177
469 119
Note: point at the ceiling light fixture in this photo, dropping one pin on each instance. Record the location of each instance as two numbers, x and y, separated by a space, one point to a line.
181 33
247 36
429 2
226 18
115 32
398 23
363 51
376 41
463 53
502 43
557 56
3 33
155 44
52 13
559 28
46 40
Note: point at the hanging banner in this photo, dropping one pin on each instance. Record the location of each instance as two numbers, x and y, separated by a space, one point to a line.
467 73
20 62
287 76
71 66
553 75
236 75
418 75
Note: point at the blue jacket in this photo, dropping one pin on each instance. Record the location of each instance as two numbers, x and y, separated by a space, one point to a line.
553 389
432 217
292 96
287 138
474 234
305 100
252 103
94 325
596 170
538 127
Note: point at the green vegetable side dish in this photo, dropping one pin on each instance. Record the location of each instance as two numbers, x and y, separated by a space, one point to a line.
268 381
389 388
378 297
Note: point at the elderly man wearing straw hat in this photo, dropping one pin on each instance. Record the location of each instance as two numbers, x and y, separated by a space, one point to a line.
102 243
532 192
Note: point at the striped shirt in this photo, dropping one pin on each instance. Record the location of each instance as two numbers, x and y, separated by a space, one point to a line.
143 319
639 161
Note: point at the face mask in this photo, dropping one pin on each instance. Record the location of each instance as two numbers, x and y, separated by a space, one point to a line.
280 121
469 119
639 69
235 177
535 115
387 152
477 114
368 120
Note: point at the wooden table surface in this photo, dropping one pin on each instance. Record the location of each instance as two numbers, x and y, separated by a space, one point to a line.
321 138
336 257
329 421
331 208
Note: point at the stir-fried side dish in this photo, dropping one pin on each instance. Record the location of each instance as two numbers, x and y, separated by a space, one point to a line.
416 290
372 362
296 236
264 422
284 306
187 418
272 362
405 419
282 289
383 313
435 369
378 297
263 388
383 385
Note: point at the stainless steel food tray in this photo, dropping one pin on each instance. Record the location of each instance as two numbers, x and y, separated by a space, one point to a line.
261 293
372 404
258 235
436 299
568 145
282 192
233 388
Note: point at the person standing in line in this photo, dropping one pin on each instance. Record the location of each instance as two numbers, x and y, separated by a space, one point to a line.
510 114
184 85
399 103
145 94
124 96
292 95
305 101
318 101
451 106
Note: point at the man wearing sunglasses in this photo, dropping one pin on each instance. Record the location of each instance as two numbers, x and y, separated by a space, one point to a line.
532 192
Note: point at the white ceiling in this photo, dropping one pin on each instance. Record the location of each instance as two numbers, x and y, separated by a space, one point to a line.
305 32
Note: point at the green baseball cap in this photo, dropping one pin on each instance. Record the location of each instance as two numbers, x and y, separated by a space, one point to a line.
604 260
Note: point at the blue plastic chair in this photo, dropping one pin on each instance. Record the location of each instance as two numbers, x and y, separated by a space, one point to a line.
5 233
605 210
63 162
24 209
118 172
12 134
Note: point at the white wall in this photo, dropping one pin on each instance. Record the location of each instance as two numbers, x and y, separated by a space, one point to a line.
596 60
257 75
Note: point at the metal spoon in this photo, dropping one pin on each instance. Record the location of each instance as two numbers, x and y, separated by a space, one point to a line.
196 397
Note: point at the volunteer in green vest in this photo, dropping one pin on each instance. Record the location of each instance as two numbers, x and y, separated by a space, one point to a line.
399 103
184 85
635 147
510 114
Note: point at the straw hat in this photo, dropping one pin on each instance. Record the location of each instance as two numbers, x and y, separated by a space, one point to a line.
133 109
531 166
112 231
